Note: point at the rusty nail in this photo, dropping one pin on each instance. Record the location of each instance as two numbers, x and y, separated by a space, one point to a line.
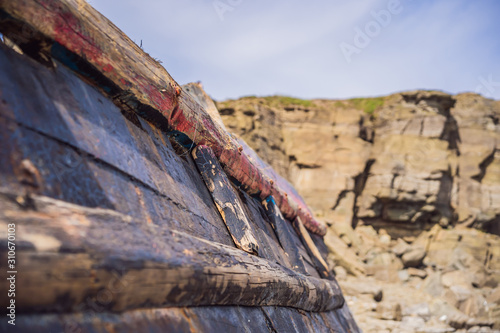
177 90
240 149
271 181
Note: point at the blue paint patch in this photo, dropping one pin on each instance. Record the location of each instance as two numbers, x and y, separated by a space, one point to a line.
81 67
270 199
182 139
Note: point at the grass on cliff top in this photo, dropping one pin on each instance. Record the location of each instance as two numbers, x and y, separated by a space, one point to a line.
368 105
288 101
282 101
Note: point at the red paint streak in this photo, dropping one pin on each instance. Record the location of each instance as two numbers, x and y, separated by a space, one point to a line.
254 175
163 101
125 82
107 68
190 119
69 32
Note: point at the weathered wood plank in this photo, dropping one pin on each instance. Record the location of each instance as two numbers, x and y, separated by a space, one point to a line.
312 250
319 324
284 236
74 33
346 319
68 175
280 319
308 262
320 244
58 104
226 200
199 319
60 155
333 322
186 319
90 153
96 320
76 252
227 319
288 320
269 247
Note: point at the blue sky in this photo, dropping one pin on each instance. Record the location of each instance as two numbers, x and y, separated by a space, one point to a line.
318 49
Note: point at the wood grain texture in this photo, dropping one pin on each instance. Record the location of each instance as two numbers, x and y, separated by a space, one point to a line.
135 201
75 34
88 152
225 199
312 250
78 253
284 236
186 319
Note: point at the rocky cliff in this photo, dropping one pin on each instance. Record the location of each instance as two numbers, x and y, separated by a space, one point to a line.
403 162
409 185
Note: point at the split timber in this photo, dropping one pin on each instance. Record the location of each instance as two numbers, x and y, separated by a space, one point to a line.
115 228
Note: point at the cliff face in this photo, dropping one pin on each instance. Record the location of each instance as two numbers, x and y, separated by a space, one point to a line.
403 162
410 172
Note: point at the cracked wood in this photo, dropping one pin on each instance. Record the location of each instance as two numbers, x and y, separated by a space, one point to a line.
283 233
312 250
225 199
152 268
75 34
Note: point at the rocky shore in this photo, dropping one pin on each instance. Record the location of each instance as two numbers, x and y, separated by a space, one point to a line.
409 185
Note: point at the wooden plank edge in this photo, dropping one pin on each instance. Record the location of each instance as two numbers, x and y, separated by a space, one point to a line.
112 64
283 234
312 250
70 255
226 201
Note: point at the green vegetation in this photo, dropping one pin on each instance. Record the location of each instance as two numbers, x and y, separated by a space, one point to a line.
368 105
340 104
287 101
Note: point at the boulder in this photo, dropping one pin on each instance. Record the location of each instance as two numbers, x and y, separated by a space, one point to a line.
421 310
343 255
475 306
401 247
403 275
432 284
419 171
479 329
448 313
403 162
456 278
412 324
384 266
355 288
417 272
340 273
413 258
389 311
456 295
494 296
